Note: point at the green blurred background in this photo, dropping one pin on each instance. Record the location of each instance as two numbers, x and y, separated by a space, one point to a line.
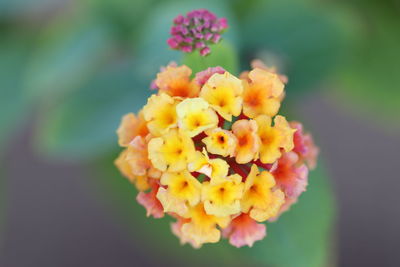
69 69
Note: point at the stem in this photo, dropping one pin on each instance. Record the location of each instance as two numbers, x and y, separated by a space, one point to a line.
262 165
237 169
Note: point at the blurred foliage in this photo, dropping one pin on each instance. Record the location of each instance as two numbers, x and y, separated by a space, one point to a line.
301 237
82 124
3 197
223 55
14 101
370 78
302 40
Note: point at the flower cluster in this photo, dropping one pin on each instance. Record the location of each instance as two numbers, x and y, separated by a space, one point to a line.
197 30
213 153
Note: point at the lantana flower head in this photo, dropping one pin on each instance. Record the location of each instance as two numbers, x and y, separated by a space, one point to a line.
196 31
211 150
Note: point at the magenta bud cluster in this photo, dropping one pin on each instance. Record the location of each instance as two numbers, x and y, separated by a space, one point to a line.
196 31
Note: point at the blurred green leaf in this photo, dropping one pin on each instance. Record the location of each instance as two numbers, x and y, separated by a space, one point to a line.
28 8
69 51
369 81
301 237
14 102
3 198
303 40
83 124
126 16
222 54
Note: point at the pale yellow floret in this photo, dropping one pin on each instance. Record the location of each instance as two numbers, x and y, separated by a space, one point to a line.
195 116
160 113
171 152
203 227
273 138
282 125
223 198
183 186
171 203
260 199
182 192
224 93
220 142
213 168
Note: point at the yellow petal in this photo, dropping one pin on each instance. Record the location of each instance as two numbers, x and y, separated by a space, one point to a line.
220 142
224 93
248 143
195 116
172 152
160 114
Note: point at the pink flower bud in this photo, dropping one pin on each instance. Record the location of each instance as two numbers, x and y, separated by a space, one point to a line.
223 23
205 51
178 19
199 45
216 38
187 48
172 43
197 30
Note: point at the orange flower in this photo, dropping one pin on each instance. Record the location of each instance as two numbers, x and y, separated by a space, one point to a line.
243 230
258 64
137 156
248 143
262 93
130 127
175 81
202 227
141 181
274 138
261 200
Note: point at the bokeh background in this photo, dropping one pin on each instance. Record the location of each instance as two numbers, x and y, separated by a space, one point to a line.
69 69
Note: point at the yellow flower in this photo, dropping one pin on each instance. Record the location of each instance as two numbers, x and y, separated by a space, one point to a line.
262 93
160 114
183 190
202 227
224 93
195 116
213 168
273 138
222 198
175 81
281 124
130 127
220 142
259 197
171 152
248 142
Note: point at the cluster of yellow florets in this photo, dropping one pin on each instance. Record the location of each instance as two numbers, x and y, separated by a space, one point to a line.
213 153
